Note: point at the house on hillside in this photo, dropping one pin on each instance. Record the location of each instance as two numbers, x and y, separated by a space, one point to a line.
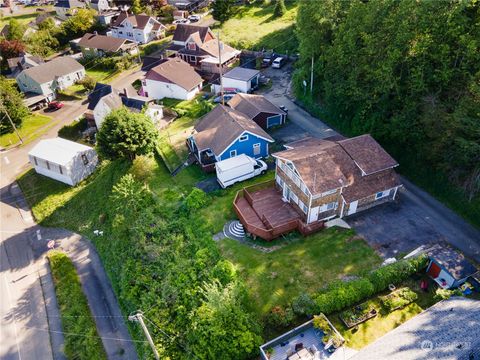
322 180
25 61
259 109
224 133
198 46
94 45
46 79
104 99
172 78
34 24
100 5
63 160
241 79
448 267
140 28
66 8
447 330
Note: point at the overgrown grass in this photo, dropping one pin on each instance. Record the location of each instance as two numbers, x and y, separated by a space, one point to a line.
253 27
306 265
29 130
81 337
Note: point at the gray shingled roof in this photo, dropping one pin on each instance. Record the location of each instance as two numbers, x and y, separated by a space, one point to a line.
448 330
240 73
50 70
454 262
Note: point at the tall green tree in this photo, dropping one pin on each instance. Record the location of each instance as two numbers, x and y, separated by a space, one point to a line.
78 24
124 134
279 9
16 30
136 7
222 10
11 102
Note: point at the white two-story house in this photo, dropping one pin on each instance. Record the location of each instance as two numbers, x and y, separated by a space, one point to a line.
45 79
139 28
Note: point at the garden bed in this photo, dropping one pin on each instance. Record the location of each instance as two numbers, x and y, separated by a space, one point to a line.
398 299
358 314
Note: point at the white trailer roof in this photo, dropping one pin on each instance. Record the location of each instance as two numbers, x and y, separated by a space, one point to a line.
234 162
57 150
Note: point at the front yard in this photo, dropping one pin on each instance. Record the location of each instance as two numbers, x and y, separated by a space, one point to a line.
29 130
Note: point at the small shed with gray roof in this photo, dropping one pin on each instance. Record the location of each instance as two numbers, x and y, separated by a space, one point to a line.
239 78
448 267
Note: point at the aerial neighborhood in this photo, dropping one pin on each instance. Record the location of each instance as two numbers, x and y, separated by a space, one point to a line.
219 179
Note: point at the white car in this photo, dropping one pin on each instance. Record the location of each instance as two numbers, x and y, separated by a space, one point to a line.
194 18
181 21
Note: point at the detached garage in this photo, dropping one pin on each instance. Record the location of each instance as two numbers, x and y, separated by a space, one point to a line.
240 79
63 160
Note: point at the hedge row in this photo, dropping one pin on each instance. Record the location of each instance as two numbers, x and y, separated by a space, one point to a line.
340 295
81 336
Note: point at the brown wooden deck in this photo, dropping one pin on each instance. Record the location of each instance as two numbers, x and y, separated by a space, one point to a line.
263 212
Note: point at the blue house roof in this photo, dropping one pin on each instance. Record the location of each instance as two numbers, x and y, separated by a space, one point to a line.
100 91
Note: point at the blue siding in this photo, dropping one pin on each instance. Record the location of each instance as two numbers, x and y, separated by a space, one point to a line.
246 147
274 120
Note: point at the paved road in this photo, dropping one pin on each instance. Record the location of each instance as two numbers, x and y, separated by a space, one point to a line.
417 219
26 290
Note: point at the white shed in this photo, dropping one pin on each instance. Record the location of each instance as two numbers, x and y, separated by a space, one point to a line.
239 78
63 160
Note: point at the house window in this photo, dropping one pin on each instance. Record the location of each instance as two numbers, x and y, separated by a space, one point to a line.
256 149
233 153
327 207
120 32
193 59
191 46
302 206
85 159
243 138
279 181
48 165
60 169
382 194
35 160
304 188
294 197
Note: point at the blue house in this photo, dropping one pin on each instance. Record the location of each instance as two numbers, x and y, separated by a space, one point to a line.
224 133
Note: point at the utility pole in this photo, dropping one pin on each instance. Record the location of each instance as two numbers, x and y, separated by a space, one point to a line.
311 78
11 122
220 68
138 317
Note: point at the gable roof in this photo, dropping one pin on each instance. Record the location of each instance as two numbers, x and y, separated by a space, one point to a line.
50 70
454 262
221 126
450 327
183 32
368 154
325 165
25 59
252 105
175 71
98 92
138 21
70 4
102 42
57 150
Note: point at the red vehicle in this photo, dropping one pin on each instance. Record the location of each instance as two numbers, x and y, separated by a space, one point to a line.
55 105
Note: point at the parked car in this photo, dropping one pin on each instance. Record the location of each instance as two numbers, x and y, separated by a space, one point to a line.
267 59
284 108
226 97
279 62
181 21
238 168
55 105
194 18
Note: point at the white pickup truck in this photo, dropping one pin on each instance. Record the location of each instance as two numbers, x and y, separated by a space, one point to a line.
238 168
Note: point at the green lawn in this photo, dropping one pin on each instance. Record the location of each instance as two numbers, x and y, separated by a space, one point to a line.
29 130
81 336
153 46
305 265
253 27
384 322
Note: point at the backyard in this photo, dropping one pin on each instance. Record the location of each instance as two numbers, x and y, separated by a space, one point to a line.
254 27
33 126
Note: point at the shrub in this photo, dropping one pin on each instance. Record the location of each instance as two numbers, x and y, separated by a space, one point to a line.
74 130
87 82
303 305
280 317
340 295
443 294
196 199
399 299
224 271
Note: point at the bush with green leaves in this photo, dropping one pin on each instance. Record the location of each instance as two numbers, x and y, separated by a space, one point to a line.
11 101
304 305
398 299
196 199
280 317
87 82
124 134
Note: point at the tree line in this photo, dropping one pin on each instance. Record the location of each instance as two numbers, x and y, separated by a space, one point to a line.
408 72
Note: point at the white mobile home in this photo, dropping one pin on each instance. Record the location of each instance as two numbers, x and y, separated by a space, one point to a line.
63 160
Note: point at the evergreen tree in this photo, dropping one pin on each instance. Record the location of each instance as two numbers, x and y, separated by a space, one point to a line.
280 9
136 7
222 10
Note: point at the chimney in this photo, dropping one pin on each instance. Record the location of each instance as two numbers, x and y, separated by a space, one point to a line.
125 92
95 32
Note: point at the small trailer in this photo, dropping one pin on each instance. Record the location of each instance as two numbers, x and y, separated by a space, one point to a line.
238 168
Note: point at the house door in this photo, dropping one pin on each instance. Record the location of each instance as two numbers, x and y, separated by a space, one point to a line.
352 209
434 270
286 192
313 216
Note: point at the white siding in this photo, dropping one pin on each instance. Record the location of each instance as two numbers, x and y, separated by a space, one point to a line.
160 90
